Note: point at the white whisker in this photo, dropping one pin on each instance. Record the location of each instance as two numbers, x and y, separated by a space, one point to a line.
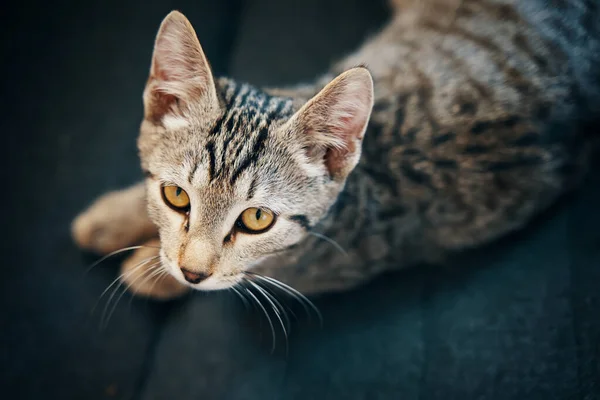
278 305
114 253
159 278
266 315
112 310
330 240
241 296
123 275
292 292
268 288
277 312
156 272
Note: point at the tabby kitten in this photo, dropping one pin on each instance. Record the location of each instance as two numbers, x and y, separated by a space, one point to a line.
466 124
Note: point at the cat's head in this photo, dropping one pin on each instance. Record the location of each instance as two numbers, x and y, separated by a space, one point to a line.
236 175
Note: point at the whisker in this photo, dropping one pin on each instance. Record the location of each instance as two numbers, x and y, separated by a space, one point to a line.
288 292
241 296
159 278
268 287
282 306
277 313
112 310
330 240
292 292
278 306
114 253
121 279
266 315
107 304
123 275
151 269
157 271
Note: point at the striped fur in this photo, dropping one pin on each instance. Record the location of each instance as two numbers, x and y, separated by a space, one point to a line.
481 120
237 138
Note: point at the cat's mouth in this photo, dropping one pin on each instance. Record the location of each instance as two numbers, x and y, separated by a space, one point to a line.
209 283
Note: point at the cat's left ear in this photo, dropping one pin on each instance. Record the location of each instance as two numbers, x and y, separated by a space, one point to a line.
180 75
332 124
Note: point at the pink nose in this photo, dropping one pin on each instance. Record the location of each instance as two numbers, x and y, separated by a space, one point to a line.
193 277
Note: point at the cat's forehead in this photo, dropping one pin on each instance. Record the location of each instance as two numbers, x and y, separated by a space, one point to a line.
240 138
246 106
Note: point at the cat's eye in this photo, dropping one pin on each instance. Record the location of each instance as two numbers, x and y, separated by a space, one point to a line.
256 220
176 197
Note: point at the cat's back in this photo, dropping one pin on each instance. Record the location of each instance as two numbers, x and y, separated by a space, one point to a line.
517 50
574 27
535 47
477 110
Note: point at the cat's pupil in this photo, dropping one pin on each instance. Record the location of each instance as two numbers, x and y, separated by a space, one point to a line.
258 214
178 191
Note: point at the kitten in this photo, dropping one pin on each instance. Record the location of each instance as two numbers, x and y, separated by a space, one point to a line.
465 125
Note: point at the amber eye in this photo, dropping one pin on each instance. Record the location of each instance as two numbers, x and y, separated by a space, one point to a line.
256 220
176 197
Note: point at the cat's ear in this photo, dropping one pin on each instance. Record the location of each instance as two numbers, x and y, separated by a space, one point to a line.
333 122
180 74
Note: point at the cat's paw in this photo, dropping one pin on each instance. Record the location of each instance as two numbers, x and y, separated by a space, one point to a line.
143 275
116 220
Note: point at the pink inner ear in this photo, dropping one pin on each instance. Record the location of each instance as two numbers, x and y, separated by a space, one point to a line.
178 62
352 126
335 159
179 68
345 124
180 73
160 105
161 74
336 118
347 120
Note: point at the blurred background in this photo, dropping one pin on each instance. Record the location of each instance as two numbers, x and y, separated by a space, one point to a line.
516 320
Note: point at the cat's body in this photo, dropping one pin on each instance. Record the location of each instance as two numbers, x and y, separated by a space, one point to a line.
478 124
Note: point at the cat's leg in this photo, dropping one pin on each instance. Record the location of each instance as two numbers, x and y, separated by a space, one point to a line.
144 275
116 220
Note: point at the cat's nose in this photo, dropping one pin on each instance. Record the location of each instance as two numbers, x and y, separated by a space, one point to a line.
193 277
